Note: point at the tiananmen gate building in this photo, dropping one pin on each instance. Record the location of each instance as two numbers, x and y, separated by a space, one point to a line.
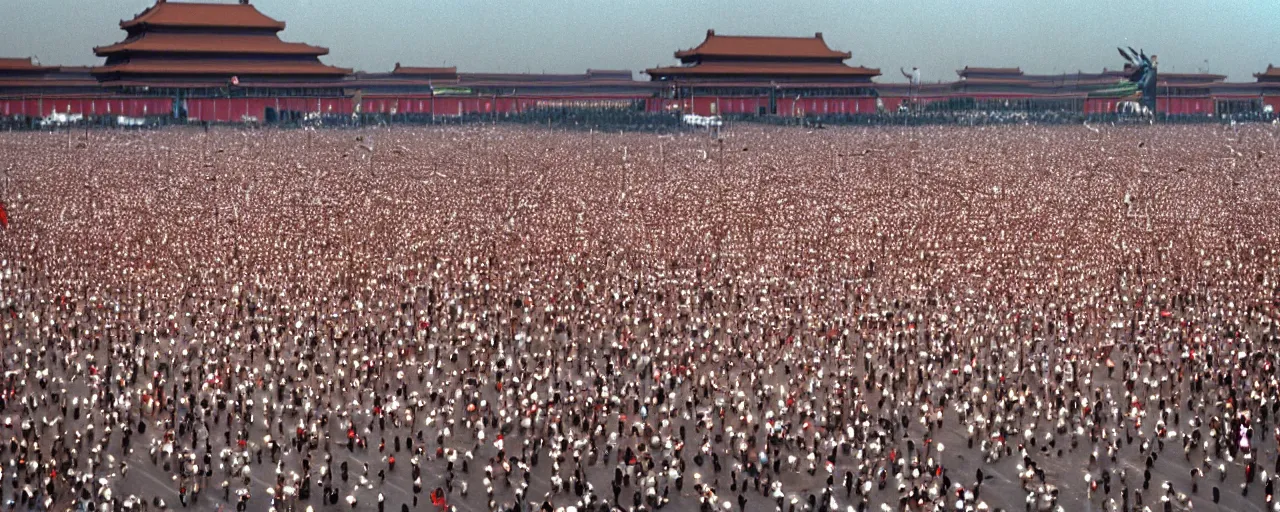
767 76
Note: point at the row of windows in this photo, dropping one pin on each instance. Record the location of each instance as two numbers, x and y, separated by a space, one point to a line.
781 92
1012 105
1238 106
263 92
234 92
1182 91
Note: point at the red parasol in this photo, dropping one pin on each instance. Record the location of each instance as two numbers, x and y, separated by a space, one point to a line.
4 217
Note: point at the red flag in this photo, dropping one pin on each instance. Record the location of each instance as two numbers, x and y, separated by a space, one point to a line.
4 217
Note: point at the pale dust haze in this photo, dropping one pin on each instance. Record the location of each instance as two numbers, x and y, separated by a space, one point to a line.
1237 38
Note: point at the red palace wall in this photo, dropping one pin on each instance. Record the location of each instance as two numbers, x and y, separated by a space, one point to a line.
1185 106
1100 105
826 106
1174 106
46 106
237 109
751 105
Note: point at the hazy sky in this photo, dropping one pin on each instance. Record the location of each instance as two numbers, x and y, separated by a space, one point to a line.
1235 37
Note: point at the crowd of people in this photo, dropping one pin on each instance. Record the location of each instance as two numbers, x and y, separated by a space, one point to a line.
505 318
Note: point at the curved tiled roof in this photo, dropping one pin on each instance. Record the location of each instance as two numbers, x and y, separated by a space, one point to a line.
422 71
184 14
21 64
1272 74
181 39
763 46
210 43
222 67
993 71
611 74
766 68
1003 72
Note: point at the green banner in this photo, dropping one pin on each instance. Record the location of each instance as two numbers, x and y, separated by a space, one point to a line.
451 91
1121 89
